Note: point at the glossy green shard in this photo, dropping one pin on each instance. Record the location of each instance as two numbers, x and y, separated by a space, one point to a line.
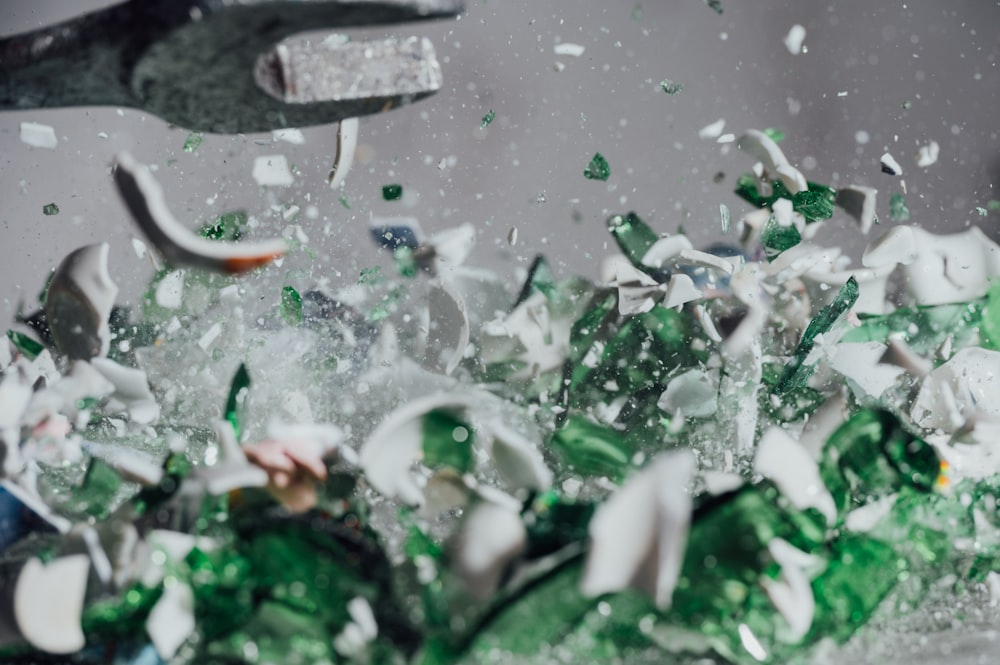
24 344
633 236
123 615
897 208
239 391
487 119
405 261
392 192
342 199
796 371
671 87
993 205
50 209
227 226
590 449
447 441
96 493
925 328
598 168
588 328
775 135
776 238
540 280
384 307
816 203
982 211
291 306
192 142
989 326
553 522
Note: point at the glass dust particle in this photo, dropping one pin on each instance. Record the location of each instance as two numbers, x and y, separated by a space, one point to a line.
370 275
598 169
192 142
724 217
671 87
392 192
487 119
291 306
637 12
715 6
906 105
50 209
993 205
982 211
775 135
344 202
897 208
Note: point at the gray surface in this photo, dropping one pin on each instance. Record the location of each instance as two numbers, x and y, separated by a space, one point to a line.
525 170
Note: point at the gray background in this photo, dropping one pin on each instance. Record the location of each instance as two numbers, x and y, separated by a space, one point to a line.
525 170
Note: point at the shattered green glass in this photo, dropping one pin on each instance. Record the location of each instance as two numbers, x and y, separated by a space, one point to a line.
192 141
236 401
447 441
291 306
487 119
50 209
897 208
588 448
925 328
96 493
670 87
633 236
392 192
715 5
775 135
598 168
777 239
227 226
24 344
815 203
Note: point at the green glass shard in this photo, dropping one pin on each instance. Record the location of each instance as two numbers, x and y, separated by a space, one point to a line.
714 5
24 344
598 168
871 456
192 141
982 211
588 448
385 306
405 261
370 276
816 203
392 192
227 226
487 119
553 522
724 217
175 468
775 135
50 209
97 491
633 236
897 208
448 441
540 280
670 87
343 201
588 328
906 105
236 401
122 615
291 306
925 328
989 327
796 371
776 238
993 205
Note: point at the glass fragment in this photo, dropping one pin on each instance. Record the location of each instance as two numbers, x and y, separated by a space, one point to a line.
598 168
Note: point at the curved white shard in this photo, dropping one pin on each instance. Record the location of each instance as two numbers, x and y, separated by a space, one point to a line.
763 148
48 603
889 165
79 301
518 460
171 621
788 464
131 390
144 198
693 393
347 144
928 154
791 592
899 245
450 321
638 537
490 536
859 202
966 386
793 40
944 269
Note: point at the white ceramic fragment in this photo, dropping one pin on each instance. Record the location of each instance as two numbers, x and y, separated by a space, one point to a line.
713 130
785 462
144 198
53 627
858 202
680 290
518 460
865 518
233 470
958 390
352 641
38 135
950 268
347 144
169 293
899 354
450 325
665 250
697 259
793 40
693 393
639 535
762 147
527 334
131 390
79 301
928 154
637 292
171 621
889 165
488 538
859 363
568 48
792 592
272 171
288 135
898 246
452 246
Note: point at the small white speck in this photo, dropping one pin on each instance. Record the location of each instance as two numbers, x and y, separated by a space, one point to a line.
793 40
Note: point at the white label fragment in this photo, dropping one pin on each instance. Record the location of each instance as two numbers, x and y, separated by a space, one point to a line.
890 165
38 135
712 131
272 171
567 48
928 154
793 40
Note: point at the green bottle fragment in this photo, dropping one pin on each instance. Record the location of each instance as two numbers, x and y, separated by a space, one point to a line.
816 203
897 208
236 401
97 491
291 306
370 276
343 201
392 192
553 522
487 119
633 236
925 328
405 261
192 142
50 209
594 323
637 12
598 168
590 449
227 226
714 5
871 456
776 238
796 372
120 616
24 344
989 327
993 205
775 135
670 87
540 280
448 441
982 211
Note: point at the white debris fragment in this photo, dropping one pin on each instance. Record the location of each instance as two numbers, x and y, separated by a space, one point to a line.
693 393
38 135
786 462
568 48
169 292
793 40
512 236
890 165
139 247
928 154
347 144
859 203
726 138
171 621
288 135
712 131
762 147
272 171
210 336
52 627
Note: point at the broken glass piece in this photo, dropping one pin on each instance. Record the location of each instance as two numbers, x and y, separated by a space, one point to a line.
50 209
598 168
633 236
889 165
25 345
816 203
347 145
192 141
227 226
724 217
859 203
78 303
342 199
236 400
796 371
760 146
786 462
692 394
97 491
131 391
897 208
670 87
392 192
291 306
715 5
487 119
776 238
775 135
38 135
588 448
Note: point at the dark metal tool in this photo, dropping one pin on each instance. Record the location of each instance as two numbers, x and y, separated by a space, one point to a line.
221 65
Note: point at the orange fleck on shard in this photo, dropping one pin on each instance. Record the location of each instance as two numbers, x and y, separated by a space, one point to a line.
241 264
